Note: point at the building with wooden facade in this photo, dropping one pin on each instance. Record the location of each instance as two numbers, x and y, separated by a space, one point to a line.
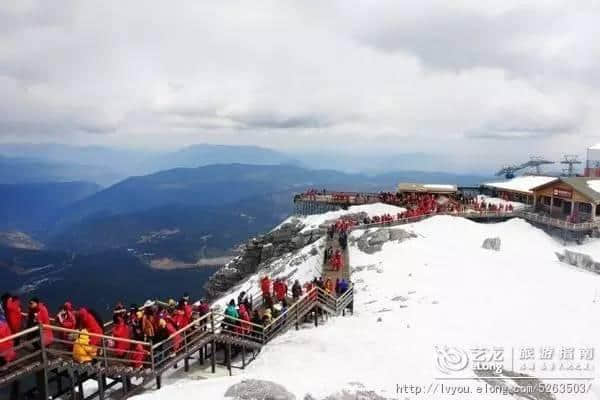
572 198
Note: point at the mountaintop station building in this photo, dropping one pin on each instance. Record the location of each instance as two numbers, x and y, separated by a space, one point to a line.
518 189
573 198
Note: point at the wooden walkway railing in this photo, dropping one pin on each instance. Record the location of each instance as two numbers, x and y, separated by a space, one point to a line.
35 357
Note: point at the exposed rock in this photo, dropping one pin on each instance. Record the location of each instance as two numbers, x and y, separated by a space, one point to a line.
372 241
579 260
253 389
492 243
347 395
258 252
267 251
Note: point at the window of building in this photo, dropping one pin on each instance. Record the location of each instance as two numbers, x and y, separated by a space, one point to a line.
557 202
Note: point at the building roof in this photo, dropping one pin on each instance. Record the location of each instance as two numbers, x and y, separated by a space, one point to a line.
426 188
588 187
522 184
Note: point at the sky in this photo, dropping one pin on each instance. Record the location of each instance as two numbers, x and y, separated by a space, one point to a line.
481 81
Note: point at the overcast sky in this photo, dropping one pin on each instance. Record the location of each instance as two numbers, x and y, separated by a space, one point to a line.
482 80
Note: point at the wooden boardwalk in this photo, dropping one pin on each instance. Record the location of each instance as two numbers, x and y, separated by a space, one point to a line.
328 271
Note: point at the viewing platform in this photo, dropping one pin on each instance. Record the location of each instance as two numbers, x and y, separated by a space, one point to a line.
309 203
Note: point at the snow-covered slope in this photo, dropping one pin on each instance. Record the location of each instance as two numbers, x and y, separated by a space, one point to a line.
439 289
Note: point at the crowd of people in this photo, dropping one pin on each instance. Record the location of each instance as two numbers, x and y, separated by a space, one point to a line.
81 328
12 322
341 227
416 204
335 259
242 317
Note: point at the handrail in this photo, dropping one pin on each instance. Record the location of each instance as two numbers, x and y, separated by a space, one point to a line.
525 213
19 334
346 294
289 317
157 357
222 316
305 295
91 334
191 324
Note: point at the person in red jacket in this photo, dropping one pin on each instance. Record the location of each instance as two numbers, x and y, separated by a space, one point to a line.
88 321
244 328
120 331
138 353
66 319
14 314
7 349
66 316
280 289
166 330
38 314
265 286
187 307
180 317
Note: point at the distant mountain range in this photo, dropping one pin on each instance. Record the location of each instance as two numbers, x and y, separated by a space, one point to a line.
34 207
25 163
30 170
228 202
56 232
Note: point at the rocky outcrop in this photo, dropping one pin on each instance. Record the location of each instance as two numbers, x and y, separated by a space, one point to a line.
348 395
372 241
258 252
254 389
492 243
579 260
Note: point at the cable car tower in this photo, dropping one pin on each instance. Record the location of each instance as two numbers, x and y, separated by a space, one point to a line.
570 160
536 162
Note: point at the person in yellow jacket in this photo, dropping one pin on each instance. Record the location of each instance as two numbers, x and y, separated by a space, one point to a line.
82 350
329 286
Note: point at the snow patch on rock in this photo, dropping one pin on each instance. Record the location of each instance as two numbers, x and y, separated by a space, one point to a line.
254 389
579 260
372 241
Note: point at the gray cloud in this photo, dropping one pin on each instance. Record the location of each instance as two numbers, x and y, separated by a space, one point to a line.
427 76
516 124
529 39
